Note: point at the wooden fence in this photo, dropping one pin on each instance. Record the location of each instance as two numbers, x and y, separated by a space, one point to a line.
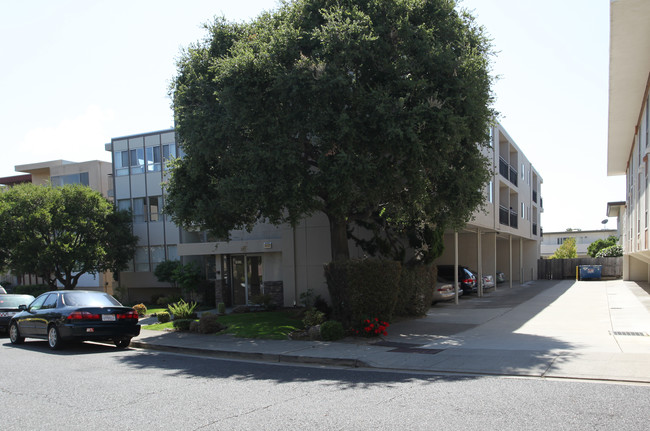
557 269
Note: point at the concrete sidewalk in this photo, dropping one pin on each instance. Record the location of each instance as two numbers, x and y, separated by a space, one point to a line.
558 329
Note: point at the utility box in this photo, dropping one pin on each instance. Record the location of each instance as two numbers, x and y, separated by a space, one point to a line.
590 272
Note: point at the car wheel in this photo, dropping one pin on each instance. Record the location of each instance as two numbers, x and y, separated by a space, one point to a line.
14 334
123 343
53 338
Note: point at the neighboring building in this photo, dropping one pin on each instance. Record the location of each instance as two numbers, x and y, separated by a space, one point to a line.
94 174
506 235
553 240
286 261
138 173
629 128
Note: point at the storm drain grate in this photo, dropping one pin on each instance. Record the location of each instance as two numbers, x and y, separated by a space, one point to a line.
631 333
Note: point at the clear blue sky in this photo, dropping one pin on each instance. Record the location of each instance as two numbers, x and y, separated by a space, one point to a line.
77 73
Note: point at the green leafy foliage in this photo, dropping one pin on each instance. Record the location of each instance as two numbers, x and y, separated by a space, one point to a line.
567 250
165 271
61 233
163 317
600 244
182 309
611 251
313 317
415 290
367 111
332 330
361 288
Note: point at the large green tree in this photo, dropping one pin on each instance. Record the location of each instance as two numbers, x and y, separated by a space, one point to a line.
61 233
371 112
600 244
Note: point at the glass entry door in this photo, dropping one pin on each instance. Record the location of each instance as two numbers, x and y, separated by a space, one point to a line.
246 278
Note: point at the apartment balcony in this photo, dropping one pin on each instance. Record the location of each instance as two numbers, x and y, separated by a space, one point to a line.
507 171
508 217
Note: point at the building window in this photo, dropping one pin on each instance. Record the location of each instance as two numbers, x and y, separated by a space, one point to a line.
142 259
153 159
62 180
490 193
157 255
172 252
139 214
137 161
169 152
124 204
523 210
154 208
121 163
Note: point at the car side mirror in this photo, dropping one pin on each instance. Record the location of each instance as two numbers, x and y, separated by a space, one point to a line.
22 307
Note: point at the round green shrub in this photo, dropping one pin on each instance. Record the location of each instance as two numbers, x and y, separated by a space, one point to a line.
163 317
209 324
332 330
182 324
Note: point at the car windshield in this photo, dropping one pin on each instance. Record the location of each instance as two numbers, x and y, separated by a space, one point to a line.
13 301
89 299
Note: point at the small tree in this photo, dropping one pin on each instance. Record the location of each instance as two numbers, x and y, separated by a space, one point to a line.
166 272
567 250
61 233
600 244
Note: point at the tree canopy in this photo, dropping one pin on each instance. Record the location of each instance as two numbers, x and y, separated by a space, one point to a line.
600 244
567 250
371 112
61 233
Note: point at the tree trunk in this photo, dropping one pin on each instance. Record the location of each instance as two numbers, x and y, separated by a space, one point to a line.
339 239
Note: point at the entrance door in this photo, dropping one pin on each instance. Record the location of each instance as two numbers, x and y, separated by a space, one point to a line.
246 278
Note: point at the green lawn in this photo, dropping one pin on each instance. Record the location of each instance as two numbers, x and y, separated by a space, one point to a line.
266 324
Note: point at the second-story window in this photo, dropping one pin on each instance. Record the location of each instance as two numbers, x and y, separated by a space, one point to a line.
168 152
139 214
154 208
137 161
153 159
121 163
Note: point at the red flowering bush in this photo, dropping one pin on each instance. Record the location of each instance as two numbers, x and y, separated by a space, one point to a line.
372 328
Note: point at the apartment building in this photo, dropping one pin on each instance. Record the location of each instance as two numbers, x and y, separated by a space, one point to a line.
628 142
505 236
286 261
94 174
553 240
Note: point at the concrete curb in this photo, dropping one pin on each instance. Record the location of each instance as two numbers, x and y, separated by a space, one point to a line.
254 356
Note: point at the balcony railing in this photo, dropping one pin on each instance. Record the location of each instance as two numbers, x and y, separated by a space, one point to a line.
503 167
513 219
508 217
513 175
503 215
507 171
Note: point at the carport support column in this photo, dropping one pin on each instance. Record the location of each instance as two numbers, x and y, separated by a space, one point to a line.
510 264
494 256
479 264
456 265
521 261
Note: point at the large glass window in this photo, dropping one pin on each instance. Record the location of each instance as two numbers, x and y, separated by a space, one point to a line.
154 208
157 255
139 214
168 152
153 159
172 252
142 259
137 161
61 180
124 204
121 163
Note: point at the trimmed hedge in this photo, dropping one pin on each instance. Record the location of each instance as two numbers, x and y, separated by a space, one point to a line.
416 290
361 289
